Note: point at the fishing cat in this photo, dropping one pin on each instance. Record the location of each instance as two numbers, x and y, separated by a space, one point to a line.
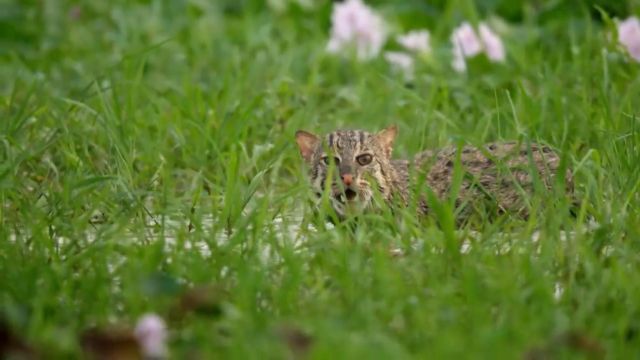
353 165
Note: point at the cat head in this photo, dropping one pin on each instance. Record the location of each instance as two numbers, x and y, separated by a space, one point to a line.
351 163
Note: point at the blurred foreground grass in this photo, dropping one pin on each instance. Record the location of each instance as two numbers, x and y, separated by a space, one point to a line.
147 146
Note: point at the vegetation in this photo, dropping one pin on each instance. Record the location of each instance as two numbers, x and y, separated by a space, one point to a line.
147 148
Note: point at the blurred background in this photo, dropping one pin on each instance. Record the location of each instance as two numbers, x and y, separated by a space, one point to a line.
66 40
147 147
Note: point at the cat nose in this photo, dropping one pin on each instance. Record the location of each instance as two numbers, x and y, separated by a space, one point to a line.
347 179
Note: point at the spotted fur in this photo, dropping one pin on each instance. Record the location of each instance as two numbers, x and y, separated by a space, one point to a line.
497 172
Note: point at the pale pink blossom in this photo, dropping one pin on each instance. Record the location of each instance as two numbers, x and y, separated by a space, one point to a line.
466 40
629 36
354 25
493 46
151 333
416 41
459 64
467 43
400 61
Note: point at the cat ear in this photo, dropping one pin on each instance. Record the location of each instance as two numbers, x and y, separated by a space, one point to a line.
386 137
307 143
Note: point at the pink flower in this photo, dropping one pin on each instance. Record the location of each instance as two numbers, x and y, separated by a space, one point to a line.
467 43
416 41
401 61
458 63
629 36
355 25
493 46
466 40
151 332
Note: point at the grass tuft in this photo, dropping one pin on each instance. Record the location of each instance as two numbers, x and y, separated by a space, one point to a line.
147 151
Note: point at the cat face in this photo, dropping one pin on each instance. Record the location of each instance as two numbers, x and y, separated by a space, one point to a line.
349 164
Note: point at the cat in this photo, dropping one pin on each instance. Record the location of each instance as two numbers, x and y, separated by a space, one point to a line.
354 165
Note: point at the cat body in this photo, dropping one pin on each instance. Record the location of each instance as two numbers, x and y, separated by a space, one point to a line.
355 164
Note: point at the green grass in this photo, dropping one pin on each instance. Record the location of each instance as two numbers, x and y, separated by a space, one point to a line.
123 122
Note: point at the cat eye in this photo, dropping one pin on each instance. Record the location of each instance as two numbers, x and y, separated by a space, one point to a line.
364 159
327 160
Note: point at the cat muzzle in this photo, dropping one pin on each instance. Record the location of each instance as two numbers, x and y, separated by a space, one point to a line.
350 194
347 179
346 194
